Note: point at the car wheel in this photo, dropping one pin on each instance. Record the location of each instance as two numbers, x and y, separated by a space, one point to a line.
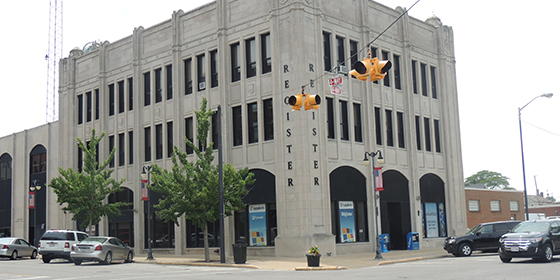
77 262
14 255
465 249
547 253
128 258
46 260
505 259
108 258
34 254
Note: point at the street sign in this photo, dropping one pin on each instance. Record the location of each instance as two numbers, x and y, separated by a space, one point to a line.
335 81
336 90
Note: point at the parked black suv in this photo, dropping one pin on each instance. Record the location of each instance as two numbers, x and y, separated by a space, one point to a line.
539 240
484 237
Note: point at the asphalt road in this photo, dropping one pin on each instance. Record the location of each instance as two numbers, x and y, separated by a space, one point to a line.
479 266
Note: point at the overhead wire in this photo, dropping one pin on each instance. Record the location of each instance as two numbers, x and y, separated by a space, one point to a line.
362 49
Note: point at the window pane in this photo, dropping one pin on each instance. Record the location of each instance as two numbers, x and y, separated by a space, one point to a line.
344 120
397 71
400 129
330 118
327 51
189 133
436 136
268 119
169 139
188 76
235 63
427 135
111 99
80 109
214 68
389 127
266 53
237 126
434 84
251 57
121 96
169 81
159 89
201 71
252 122
159 142
147 98
357 123
147 144
130 94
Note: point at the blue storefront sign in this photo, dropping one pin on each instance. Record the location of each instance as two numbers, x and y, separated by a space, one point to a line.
347 221
257 224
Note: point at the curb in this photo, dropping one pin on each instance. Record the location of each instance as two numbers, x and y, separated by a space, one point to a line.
308 268
400 261
197 264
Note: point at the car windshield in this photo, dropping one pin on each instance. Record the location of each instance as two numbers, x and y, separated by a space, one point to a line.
531 227
6 240
473 230
58 235
94 240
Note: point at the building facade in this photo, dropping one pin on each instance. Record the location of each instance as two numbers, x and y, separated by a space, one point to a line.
311 186
488 205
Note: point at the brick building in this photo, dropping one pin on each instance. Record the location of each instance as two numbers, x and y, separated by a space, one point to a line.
487 205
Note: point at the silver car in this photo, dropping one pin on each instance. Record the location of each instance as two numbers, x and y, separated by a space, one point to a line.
14 247
101 249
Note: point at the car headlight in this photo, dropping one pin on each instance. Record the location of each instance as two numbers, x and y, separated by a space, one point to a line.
536 240
502 239
451 240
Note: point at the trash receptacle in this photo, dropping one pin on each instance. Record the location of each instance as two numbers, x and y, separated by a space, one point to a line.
239 252
413 241
384 242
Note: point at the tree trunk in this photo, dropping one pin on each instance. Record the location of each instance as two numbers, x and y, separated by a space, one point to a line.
206 249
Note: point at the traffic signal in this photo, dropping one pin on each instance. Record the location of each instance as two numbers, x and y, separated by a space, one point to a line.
296 101
370 67
312 101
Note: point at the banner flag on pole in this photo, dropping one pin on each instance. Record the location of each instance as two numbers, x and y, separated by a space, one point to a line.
144 192
378 179
31 200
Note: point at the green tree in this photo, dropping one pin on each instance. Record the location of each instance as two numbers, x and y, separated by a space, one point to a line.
493 180
83 193
192 188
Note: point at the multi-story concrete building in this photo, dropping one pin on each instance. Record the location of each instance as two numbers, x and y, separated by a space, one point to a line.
311 188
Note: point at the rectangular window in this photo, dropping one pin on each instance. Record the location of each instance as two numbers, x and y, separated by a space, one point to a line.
96 104
237 126
423 72
400 129
389 127
188 76
111 99
159 141
189 134
474 205
214 68
266 53
251 57
378 134
353 54
268 120
159 86
80 158
344 120
147 144
235 63
397 70
418 133
121 96
130 147
80 109
436 136
111 147
215 131
169 139
414 78
386 80
514 205
434 84
340 51
201 72
130 94
121 149
327 51
88 106
427 138
357 122
330 118
252 122
169 81
494 205
147 98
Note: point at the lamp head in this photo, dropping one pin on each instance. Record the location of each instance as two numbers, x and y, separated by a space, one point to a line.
547 95
380 159
144 175
366 160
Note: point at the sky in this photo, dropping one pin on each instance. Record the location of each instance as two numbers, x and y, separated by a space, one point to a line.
506 54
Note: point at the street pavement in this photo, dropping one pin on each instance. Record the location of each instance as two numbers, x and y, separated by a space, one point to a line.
300 263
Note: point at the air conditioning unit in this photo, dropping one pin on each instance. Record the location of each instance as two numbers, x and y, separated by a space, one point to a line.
201 85
342 69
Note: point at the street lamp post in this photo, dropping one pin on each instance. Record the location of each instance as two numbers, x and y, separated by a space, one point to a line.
146 179
380 161
32 189
547 95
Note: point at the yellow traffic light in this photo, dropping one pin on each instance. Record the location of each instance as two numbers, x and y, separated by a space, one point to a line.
296 101
372 68
312 101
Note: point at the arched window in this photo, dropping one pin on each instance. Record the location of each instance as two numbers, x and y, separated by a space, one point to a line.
5 194
434 218
122 226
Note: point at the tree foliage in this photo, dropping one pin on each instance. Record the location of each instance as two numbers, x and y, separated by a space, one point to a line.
492 180
191 188
83 193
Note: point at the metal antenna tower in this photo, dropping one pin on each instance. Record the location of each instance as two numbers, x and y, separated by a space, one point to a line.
54 54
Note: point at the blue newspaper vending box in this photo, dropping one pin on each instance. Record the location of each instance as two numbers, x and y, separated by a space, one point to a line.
384 242
413 241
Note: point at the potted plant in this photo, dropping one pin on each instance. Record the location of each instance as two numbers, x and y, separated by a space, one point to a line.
313 256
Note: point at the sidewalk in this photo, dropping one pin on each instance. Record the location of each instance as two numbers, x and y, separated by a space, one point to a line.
286 263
